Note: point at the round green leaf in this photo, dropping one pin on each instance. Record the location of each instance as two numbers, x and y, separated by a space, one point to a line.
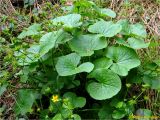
108 85
67 65
107 29
124 59
86 44
70 20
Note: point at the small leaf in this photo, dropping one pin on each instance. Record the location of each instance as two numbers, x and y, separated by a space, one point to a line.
107 12
67 65
118 114
107 29
75 117
108 85
3 88
32 30
57 117
144 113
124 59
25 101
137 43
86 67
102 63
153 82
125 26
76 102
105 113
70 20
138 30
86 44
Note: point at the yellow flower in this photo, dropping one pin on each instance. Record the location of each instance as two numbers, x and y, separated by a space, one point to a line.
55 98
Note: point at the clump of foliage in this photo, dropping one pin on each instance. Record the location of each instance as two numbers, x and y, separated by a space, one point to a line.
81 66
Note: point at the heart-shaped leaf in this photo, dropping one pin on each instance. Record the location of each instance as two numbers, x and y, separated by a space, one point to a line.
136 30
108 85
47 42
85 45
67 65
70 20
134 43
107 29
124 59
52 39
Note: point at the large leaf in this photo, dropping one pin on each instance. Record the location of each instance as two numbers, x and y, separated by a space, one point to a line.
86 44
74 101
137 43
67 65
32 30
70 20
108 85
107 29
124 59
25 101
49 40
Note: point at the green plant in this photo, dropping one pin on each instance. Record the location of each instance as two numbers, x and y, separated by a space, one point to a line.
86 53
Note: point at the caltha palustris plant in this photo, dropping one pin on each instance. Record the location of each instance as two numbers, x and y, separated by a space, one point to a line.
76 68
